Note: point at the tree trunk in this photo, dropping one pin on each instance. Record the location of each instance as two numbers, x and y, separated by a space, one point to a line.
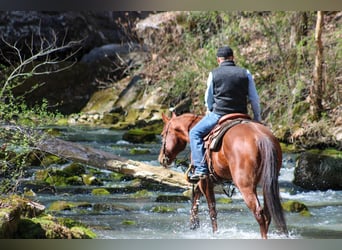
104 160
316 90
299 28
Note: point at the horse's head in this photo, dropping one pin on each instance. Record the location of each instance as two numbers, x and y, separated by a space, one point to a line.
174 139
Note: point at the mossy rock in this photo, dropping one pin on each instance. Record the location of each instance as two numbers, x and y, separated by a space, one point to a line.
9 218
155 126
51 159
89 180
74 169
111 207
163 209
223 200
74 181
48 227
296 207
172 198
28 229
111 118
78 229
100 191
116 176
138 151
139 136
62 122
289 148
128 222
60 206
57 180
330 152
82 232
68 205
70 175
142 194
122 125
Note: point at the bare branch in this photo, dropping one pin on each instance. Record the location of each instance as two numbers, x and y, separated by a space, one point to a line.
40 60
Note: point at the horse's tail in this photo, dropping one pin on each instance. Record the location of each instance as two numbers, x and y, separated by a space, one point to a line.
269 163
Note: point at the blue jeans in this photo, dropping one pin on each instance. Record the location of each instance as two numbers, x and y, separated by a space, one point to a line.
196 135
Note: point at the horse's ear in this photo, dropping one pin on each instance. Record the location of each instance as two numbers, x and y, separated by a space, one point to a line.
165 118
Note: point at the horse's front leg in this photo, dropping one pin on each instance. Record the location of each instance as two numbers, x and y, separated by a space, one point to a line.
194 219
207 188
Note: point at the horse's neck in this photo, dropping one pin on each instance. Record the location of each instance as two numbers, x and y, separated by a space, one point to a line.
188 123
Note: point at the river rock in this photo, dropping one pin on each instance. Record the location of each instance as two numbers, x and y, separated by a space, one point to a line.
296 207
316 171
12 209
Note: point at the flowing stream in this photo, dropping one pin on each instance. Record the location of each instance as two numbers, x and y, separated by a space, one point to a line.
126 217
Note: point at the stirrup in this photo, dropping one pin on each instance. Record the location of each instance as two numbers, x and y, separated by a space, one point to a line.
189 172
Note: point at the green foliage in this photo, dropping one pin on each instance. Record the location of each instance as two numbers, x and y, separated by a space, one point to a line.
15 156
203 25
277 47
18 137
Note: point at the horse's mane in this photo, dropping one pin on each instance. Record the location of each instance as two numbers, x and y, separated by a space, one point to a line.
188 115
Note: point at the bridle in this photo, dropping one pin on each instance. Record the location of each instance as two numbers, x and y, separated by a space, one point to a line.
165 158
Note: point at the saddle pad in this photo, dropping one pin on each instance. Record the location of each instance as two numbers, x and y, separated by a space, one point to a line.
214 139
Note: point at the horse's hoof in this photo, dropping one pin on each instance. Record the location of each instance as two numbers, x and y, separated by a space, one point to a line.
194 226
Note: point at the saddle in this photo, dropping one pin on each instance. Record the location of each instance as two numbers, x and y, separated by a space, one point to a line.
212 141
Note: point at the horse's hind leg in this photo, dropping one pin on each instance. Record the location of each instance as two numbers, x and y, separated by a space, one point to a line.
252 202
194 219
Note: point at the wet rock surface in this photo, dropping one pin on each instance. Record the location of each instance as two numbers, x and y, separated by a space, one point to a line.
315 171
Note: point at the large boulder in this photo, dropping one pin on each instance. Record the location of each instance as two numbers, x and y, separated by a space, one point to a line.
93 28
135 99
319 171
164 24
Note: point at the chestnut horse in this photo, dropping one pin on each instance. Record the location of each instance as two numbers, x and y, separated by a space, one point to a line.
249 154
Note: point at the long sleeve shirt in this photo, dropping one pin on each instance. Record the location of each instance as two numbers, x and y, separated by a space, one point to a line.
252 95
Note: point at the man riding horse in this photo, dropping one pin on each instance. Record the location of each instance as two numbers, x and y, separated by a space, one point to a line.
248 153
228 88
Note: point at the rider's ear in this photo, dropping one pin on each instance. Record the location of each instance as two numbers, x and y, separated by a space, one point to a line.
173 115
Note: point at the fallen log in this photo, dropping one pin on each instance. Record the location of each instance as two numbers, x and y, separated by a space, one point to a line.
105 160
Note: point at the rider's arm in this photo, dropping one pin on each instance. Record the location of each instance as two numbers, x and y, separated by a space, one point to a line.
253 97
209 93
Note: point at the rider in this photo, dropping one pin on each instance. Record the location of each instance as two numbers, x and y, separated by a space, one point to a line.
228 87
